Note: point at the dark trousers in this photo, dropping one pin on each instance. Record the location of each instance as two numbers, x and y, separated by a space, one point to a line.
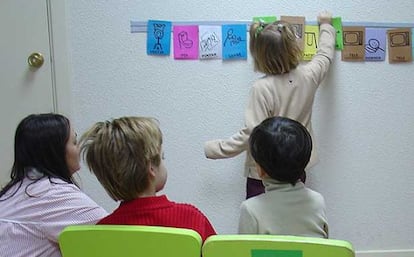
255 186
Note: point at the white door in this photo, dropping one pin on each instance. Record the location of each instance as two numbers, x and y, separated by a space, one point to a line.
24 89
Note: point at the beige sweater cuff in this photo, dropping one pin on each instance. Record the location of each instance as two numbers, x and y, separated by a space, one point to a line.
210 149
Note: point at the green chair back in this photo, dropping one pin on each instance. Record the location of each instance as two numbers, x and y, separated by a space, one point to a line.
275 246
128 240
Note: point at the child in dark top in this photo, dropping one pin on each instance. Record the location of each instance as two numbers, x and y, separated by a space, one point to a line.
126 156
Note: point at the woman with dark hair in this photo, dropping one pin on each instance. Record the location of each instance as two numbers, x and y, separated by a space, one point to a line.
42 198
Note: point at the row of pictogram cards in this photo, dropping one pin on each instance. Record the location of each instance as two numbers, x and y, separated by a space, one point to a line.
229 41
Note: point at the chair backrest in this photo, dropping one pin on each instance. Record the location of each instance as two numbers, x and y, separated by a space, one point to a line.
128 240
275 246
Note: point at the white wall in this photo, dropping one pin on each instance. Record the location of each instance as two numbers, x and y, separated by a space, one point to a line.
362 119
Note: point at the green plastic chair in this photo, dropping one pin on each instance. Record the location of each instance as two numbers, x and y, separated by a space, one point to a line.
275 246
128 240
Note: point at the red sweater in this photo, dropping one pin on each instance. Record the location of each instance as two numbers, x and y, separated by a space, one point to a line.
159 211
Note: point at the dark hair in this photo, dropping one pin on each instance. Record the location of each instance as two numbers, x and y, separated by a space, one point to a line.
40 143
282 147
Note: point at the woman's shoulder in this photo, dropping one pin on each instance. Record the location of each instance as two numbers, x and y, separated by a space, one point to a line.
48 187
38 185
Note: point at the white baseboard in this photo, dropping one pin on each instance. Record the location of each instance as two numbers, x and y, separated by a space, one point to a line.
386 253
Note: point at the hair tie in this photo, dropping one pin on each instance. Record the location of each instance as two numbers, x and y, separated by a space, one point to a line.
259 29
280 27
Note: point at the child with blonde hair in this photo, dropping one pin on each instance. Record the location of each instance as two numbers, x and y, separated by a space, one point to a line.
126 156
287 89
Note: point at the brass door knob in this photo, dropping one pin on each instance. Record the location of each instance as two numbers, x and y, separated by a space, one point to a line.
35 60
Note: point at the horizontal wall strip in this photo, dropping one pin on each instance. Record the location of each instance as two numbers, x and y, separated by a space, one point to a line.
141 26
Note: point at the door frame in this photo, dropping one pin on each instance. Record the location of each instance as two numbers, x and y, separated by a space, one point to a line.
59 57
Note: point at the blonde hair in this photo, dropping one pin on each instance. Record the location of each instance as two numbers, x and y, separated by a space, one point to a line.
274 47
119 153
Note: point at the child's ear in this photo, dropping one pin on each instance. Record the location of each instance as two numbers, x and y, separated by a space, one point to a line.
151 170
260 171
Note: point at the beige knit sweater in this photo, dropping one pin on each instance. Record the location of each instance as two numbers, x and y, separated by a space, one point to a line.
284 210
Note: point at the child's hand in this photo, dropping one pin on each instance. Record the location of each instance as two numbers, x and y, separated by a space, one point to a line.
325 17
